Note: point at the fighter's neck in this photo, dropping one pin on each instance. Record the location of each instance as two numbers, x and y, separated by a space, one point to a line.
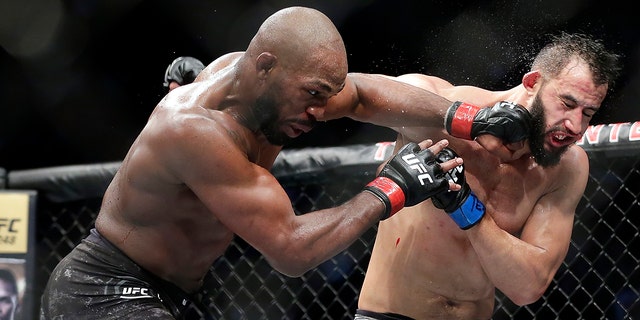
239 103
517 94
246 119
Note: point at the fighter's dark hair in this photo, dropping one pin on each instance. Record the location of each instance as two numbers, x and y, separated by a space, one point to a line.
554 56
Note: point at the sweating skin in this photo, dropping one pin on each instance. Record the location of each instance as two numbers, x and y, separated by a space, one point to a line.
425 267
198 173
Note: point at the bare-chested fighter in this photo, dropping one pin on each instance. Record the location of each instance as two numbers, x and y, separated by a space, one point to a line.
509 227
198 174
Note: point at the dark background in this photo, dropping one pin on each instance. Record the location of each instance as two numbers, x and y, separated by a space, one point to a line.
78 78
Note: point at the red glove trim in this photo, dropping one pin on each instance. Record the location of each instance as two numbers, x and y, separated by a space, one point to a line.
392 190
463 120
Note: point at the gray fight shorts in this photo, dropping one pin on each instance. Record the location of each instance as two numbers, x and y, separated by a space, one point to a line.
97 281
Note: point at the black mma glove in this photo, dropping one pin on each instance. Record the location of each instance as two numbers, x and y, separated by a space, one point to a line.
410 177
462 206
508 121
183 70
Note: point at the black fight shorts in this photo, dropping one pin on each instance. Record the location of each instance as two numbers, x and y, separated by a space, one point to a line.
97 281
370 315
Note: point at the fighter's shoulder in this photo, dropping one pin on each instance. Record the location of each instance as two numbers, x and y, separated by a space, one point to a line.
574 164
218 64
180 120
448 89
428 82
575 154
226 59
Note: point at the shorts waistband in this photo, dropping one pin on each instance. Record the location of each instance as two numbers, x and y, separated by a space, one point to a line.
172 296
380 316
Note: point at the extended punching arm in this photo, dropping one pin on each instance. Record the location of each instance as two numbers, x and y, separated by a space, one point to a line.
508 121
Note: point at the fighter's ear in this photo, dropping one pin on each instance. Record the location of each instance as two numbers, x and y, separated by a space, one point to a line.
530 79
265 62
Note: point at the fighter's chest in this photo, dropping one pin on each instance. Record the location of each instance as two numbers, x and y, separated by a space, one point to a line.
509 191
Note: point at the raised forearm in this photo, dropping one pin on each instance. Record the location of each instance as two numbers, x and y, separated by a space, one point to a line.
518 269
323 234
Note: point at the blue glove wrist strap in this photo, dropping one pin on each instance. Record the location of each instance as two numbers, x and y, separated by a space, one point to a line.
469 213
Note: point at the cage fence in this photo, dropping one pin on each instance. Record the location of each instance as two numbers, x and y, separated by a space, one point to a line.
599 279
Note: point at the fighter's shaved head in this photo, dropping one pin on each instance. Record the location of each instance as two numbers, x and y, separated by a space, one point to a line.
299 36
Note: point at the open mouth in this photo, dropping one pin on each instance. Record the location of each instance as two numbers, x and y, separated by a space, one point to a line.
560 139
297 129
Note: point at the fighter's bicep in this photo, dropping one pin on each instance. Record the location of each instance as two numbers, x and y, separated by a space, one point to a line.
426 82
232 187
243 197
550 224
240 194
564 192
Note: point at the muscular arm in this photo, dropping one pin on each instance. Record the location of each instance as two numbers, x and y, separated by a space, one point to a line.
248 200
413 105
260 212
385 101
407 100
523 268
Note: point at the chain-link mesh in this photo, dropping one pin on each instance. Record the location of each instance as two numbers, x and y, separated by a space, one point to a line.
598 280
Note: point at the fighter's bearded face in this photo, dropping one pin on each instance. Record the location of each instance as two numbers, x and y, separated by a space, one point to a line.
278 131
266 108
543 156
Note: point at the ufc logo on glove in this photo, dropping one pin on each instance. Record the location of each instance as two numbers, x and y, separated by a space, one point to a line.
453 174
411 176
415 164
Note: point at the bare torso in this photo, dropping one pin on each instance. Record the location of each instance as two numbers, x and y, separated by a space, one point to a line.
428 264
150 213
423 265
